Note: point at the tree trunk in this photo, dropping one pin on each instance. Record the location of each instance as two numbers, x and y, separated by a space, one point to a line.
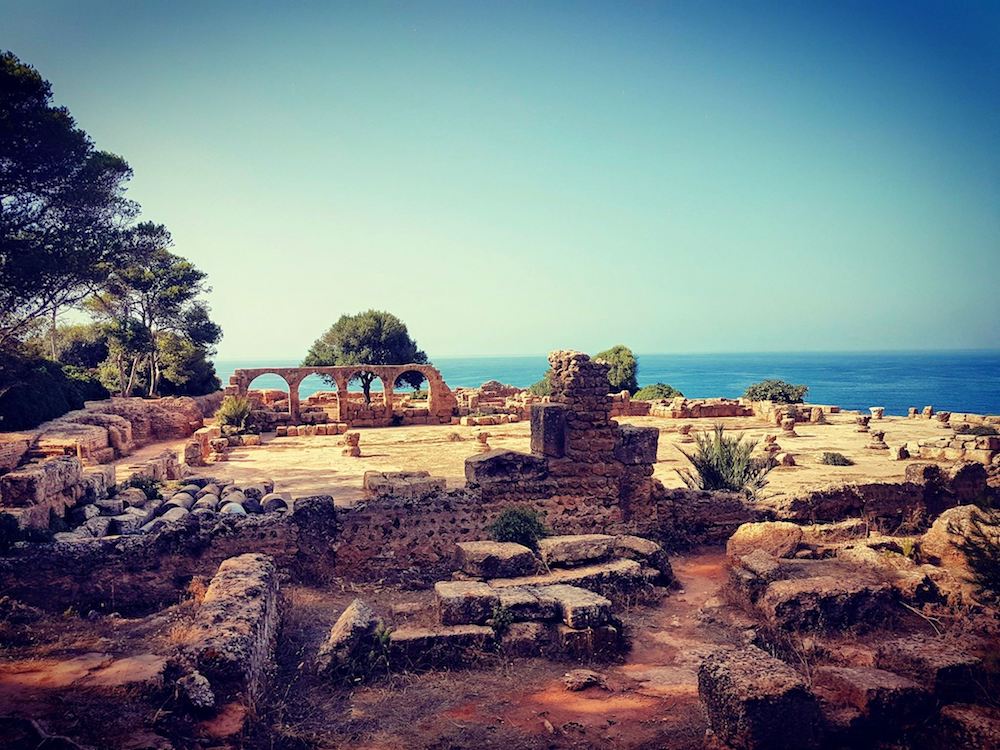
131 376
54 312
366 386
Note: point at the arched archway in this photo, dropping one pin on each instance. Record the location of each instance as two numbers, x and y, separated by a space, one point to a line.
415 389
270 391
318 395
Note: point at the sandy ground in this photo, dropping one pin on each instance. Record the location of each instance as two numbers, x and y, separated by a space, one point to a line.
314 465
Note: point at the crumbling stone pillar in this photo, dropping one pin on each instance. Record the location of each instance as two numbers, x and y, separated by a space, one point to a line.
548 430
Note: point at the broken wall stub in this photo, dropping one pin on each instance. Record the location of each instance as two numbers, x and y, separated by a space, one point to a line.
579 453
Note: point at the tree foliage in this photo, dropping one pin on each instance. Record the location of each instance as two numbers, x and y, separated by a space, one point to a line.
657 392
543 387
34 390
777 391
520 524
373 337
151 307
62 203
980 543
624 368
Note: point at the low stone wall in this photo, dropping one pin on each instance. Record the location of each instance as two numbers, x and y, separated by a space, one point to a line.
143 572
232 638
36 493
106 430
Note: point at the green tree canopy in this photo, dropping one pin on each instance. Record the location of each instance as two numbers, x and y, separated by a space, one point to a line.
373 337
776 390
624 368
656 392
149 300
62 203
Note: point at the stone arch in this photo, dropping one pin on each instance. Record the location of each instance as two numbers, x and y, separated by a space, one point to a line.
252 382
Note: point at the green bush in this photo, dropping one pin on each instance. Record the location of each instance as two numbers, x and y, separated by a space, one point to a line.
657 392
722 462
776 390
234 411
980 543
543 387
86 383
35 390
147 484
831 458
623 368
519 524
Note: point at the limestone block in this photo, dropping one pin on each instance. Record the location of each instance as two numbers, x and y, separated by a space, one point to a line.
548 430
487 559
528 603
465 602
350 634
827 603
575 549
578 607
636 445
412 647
756 702
884 698
778 538
232 638
942 665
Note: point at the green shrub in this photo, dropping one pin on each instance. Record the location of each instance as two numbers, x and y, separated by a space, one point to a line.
519 524
831 458
622 368
776 390
35 390
980 430
147 484
722 462
86 383
657 392
980 543
543 387
234 411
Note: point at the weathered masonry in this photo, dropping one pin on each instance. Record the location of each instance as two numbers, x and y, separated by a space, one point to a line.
440 406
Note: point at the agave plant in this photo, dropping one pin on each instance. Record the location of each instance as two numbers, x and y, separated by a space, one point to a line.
725 462
234 411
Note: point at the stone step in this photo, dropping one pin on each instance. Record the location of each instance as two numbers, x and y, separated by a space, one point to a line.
614 578
456 645
488 559
575 549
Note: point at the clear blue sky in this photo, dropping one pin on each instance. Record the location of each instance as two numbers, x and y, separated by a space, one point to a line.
510 178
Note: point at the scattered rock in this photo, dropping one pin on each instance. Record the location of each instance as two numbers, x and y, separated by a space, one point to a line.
581 679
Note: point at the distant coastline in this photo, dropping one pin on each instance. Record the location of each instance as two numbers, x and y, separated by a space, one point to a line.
953 380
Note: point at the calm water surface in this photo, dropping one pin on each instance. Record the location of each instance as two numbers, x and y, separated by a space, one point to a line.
956 381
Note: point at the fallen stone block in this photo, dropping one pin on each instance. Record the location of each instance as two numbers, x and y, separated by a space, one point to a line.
578 607
827 603
528 639
967 726
779 538
528 603
618 578
587 643
757 702
495 559
887 701
348 639
413 648
646 551
944 666
465 602
575 549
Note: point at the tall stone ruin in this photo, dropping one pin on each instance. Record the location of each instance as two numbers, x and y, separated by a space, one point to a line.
580 457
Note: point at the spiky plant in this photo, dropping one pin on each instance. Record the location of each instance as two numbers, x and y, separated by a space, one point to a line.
725 462
234 411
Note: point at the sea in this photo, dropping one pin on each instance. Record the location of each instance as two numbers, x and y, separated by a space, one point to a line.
965 381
